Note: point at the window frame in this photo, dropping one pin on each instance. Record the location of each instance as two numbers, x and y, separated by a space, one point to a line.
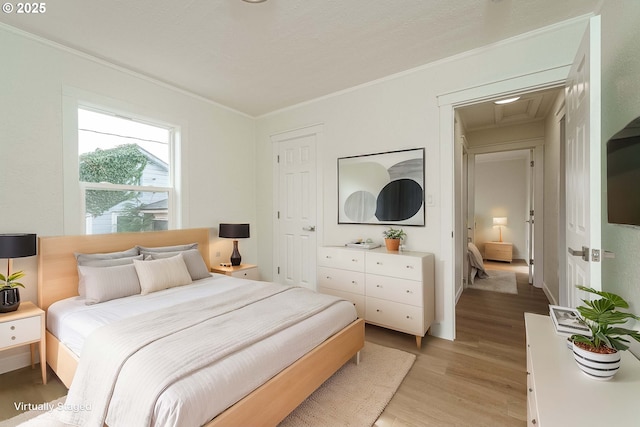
75 218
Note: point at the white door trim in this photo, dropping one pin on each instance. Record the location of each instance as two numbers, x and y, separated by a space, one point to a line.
445 326
276 138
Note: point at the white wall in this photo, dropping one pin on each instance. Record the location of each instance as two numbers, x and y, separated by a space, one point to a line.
501 190
402 112
620 104
218 147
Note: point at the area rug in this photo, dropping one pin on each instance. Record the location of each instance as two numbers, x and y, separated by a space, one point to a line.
498 281
354 396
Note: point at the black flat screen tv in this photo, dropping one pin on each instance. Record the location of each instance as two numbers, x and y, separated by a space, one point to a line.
623 176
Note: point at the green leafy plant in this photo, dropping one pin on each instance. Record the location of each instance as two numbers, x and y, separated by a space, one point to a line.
11 280
394 233
599 315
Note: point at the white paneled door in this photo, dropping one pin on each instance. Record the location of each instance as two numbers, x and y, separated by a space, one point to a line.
583 167
296 215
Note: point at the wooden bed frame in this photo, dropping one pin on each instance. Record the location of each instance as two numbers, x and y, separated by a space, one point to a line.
268 404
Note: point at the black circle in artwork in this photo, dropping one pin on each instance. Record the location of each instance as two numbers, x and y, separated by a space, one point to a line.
399 200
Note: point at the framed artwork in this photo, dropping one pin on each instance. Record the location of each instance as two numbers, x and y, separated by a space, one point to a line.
382 188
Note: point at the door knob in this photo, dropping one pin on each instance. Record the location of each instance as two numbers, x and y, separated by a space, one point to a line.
309 228
584 253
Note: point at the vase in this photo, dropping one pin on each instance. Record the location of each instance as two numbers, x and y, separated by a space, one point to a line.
598 366
9 299
392 244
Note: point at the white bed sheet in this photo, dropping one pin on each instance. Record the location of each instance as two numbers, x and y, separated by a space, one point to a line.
194 401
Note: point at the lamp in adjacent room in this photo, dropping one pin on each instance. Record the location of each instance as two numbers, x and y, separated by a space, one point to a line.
13 246
500 222
234 231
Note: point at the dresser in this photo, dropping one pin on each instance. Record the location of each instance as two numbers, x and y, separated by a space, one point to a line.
559 394
390 289
498 251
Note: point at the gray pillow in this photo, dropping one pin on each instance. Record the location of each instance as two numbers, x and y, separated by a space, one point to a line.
97 262
192 258
81 258
177 248
107 283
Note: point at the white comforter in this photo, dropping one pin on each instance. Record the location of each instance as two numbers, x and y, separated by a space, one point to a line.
178 398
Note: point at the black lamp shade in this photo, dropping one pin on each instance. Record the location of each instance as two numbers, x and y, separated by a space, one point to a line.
17 245
234 231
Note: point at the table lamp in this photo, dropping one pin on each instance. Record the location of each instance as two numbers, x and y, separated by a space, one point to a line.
14 246
234 231
500 222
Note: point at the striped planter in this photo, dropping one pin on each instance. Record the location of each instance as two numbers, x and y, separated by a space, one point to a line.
595 365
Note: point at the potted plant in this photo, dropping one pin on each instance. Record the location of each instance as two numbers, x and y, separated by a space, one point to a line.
598 355
392 238
9 292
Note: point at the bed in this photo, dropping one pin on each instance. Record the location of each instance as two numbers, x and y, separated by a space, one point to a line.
267 404
475 263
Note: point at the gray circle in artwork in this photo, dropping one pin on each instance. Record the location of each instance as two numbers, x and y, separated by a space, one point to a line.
360 206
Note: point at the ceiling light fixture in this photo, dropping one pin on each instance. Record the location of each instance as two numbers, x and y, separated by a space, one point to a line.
507 101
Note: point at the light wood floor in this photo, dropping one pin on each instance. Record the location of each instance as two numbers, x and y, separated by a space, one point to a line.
477 380
480 378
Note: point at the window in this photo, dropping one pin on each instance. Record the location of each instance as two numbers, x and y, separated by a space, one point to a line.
125 172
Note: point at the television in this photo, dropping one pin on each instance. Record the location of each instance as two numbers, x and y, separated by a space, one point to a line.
623 176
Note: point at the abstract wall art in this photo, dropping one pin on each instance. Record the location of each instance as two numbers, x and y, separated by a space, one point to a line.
382 188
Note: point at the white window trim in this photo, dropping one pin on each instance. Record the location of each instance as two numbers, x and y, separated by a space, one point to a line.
74 219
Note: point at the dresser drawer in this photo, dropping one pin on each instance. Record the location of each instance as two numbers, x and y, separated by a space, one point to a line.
498 251
394 315
20 331
249 273
402 266
357 300
342 280
394 289
344 259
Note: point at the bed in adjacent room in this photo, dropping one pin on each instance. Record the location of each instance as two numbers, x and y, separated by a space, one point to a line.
247 353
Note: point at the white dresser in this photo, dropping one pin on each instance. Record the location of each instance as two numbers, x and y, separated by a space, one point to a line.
559 394
390 289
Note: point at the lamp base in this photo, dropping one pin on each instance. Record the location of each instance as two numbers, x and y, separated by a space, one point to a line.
235 255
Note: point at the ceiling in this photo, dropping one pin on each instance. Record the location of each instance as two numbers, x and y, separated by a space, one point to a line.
530 107
257 58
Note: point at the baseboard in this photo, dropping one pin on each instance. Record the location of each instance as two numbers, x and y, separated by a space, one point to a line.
16 361
547 292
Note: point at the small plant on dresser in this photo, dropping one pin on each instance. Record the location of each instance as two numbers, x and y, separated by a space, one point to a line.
393 237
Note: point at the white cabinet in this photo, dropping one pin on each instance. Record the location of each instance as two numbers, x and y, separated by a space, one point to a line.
390 289
559 394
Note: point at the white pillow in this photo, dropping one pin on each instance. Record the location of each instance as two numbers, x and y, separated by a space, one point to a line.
107 283
100 263
192 259
156 275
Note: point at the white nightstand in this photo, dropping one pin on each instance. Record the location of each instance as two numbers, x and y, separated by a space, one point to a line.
246 271
25 326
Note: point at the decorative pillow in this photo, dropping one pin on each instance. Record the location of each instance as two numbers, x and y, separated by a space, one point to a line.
156 275
81 258
107 283
177 248
100 263
192 258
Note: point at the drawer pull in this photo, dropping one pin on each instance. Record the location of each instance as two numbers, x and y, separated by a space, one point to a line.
329 277
378 263
354 282
408 317
533 421
327 256
378 286
377 310
13 327
530 389
408 291
13 338
410 266
354 260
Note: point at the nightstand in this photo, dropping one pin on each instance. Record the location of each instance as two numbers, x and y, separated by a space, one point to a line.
498 251
246 271
25 326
